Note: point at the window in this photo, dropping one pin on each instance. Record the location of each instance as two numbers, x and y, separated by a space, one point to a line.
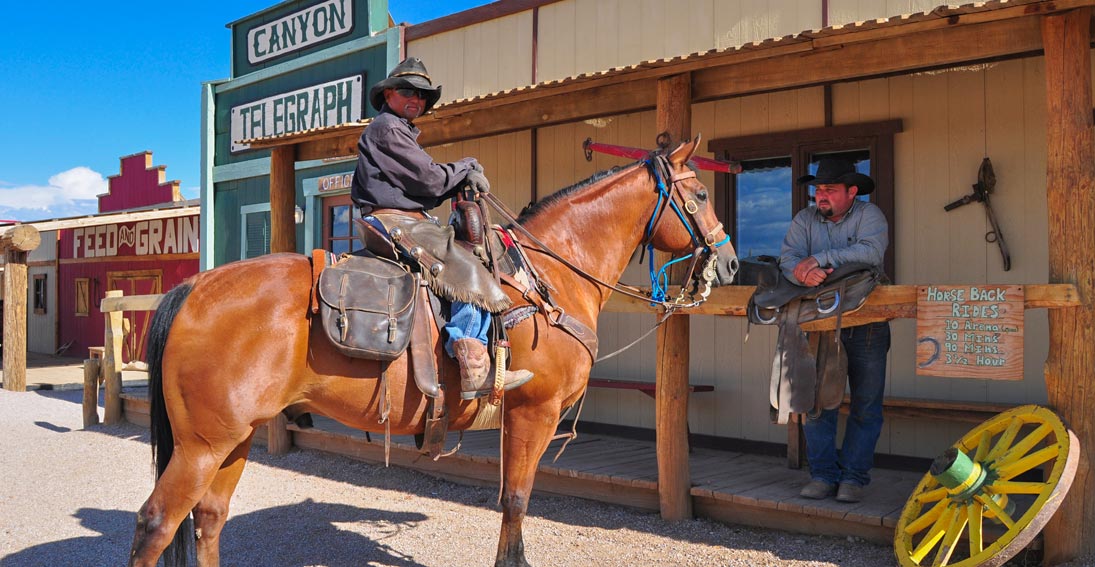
83 296
339 236
255 240
757 205
41 293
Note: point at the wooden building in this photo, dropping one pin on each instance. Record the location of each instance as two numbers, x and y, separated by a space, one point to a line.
143 240
917 94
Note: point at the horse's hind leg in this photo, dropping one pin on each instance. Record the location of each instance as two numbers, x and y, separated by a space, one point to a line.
212 510
188 476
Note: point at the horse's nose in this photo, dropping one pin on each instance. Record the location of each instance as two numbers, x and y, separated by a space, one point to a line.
726 265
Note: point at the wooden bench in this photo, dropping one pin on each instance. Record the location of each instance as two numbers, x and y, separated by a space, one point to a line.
647 388
902 408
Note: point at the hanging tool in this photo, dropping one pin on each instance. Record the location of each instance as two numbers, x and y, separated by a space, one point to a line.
986 183
708 164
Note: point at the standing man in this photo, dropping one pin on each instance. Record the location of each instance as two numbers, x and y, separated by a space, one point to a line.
396 182
841 229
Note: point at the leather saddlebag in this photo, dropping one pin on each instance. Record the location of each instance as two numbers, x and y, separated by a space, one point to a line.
367 307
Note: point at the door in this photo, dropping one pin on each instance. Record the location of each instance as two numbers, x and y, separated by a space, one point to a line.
135 323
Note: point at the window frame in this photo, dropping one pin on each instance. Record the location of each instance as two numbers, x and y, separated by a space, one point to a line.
800 145
329 204
258 208
41 292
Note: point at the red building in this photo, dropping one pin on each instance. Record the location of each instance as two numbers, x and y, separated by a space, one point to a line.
144 240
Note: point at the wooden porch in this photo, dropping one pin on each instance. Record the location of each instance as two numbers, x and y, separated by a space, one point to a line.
727 486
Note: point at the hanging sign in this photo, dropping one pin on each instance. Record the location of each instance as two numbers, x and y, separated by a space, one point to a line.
318 106
970 331
301 29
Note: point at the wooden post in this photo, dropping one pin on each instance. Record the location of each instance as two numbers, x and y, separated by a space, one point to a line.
15 243
1070 190
674 116
283 238
113 335
283 229
91 392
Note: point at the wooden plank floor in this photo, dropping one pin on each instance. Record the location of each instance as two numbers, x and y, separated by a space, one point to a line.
727 486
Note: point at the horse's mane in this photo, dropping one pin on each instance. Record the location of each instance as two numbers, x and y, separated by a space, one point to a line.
547 202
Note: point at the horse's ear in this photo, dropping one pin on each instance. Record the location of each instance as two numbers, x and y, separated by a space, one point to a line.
683 153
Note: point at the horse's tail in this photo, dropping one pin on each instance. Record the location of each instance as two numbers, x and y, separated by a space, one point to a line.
163 442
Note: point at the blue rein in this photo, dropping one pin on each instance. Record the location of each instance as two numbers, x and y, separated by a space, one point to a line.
659 279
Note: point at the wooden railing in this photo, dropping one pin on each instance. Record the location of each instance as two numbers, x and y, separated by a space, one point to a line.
108 369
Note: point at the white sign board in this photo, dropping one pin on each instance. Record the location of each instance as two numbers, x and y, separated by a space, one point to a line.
319 106
304 28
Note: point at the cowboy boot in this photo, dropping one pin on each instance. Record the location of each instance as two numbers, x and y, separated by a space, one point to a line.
476 372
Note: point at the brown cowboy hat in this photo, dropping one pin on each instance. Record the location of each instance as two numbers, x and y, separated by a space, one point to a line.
409 74
831 171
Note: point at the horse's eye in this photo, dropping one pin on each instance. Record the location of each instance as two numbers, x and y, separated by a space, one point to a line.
701 195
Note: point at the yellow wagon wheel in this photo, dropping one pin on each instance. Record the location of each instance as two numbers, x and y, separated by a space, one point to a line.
986 497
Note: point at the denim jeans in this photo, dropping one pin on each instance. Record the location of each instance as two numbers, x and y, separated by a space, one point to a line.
467 321
866 347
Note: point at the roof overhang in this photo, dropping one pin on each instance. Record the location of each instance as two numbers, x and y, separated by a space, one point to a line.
942 38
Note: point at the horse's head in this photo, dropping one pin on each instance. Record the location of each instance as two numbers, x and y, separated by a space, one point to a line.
685 221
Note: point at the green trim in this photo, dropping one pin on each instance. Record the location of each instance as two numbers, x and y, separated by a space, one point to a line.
395 48
260 167
206 224
306 61
259 13
378 16
244 211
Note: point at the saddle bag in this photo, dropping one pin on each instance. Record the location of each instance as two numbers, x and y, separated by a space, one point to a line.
367 307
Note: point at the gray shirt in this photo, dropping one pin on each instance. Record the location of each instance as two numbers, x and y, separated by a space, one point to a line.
861 235
394 172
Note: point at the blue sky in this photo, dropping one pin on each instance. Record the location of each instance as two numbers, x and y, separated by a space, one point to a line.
85 83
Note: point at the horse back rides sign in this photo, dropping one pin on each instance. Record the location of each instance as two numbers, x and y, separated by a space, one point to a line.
970 331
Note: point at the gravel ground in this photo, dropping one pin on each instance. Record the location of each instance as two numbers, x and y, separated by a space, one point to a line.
69 498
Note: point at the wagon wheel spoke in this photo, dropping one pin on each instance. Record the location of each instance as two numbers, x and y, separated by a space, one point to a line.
957 524
935 534
974 513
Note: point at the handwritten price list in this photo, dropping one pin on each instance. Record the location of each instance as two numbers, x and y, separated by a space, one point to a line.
970 331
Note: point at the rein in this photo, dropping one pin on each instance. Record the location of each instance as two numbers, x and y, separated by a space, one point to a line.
657 164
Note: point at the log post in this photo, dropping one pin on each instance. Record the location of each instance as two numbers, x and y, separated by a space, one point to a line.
674 116
91 392
15 243
113 336
283 233
1070 191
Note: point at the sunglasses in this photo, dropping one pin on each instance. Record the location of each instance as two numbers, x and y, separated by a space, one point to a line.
408 93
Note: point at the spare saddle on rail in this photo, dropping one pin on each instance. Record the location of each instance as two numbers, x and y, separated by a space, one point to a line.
810 370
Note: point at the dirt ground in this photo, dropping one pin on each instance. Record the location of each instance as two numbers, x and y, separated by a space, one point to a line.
70 498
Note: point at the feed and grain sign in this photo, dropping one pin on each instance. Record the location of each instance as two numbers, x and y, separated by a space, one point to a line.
301 29
317 106
970 331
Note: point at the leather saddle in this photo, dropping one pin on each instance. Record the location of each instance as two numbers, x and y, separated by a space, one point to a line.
810 370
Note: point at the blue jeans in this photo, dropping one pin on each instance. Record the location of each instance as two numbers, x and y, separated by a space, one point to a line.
866 347
466 321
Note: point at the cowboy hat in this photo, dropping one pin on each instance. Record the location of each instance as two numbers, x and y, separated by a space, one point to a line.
410 74
832 171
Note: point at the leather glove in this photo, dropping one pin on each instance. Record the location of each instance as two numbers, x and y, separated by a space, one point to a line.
476 166
477 182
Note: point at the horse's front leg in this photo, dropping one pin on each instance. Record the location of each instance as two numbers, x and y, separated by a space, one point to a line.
528 431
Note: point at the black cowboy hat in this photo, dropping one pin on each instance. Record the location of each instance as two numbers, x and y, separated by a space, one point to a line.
831 171
410 73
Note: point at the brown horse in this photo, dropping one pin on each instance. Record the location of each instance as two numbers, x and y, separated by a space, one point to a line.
234 346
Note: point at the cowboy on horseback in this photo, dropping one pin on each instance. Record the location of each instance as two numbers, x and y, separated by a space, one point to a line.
396 182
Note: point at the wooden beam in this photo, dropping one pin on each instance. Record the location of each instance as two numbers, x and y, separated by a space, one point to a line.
15 321
112 218
91 392
21 237
1070 192
674 117
885 302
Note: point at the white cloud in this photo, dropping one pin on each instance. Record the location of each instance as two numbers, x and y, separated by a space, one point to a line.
69 193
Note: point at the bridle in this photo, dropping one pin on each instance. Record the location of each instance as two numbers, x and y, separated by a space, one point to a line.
668 197
704 245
